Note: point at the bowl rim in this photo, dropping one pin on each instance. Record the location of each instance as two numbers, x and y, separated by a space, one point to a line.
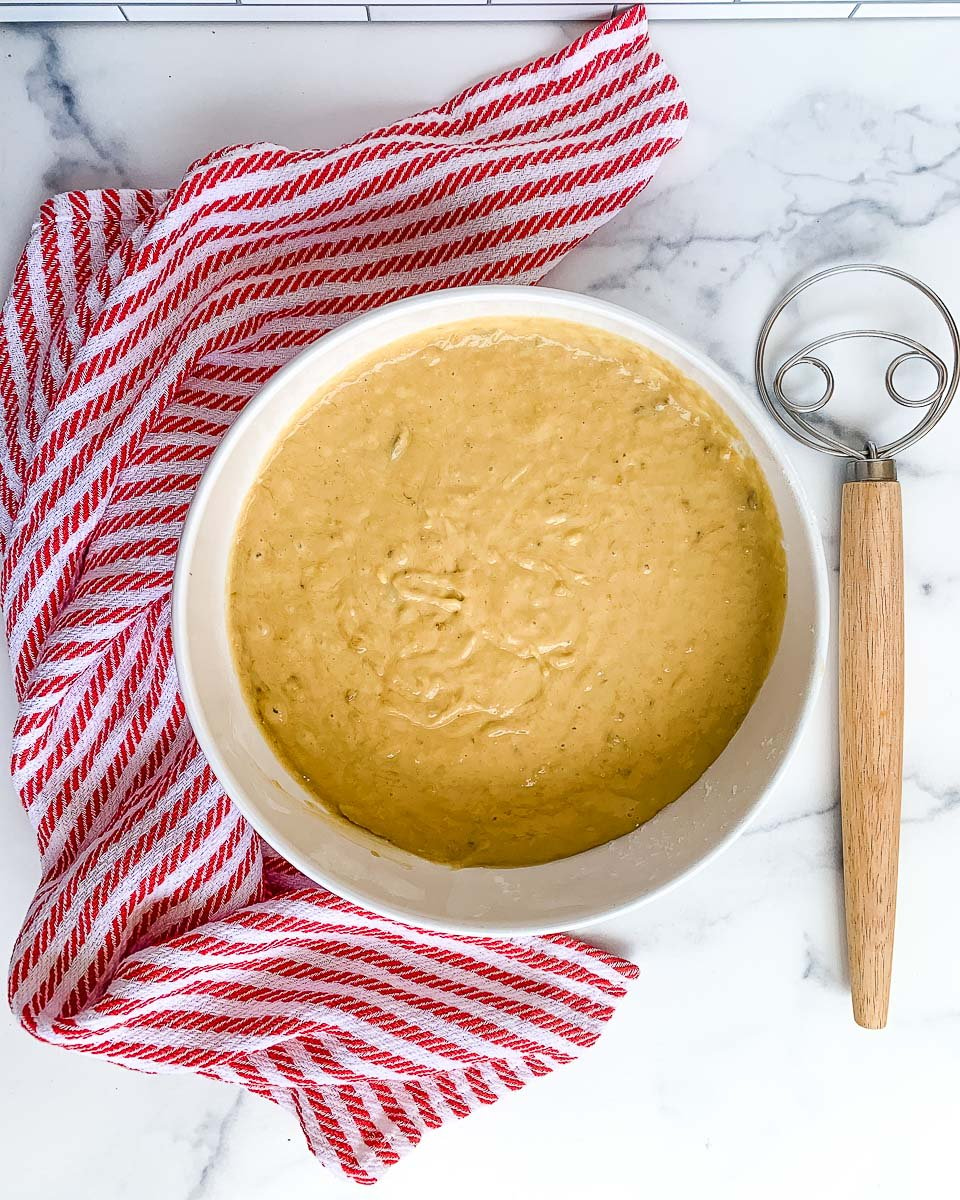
251 412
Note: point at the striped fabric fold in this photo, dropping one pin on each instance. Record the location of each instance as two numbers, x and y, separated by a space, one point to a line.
164 934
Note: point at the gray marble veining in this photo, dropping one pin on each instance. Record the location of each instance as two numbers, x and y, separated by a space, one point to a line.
80 150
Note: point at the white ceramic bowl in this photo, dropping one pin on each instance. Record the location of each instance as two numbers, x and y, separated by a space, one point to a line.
557 895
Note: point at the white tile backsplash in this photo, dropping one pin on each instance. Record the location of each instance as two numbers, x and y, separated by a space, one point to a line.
432 6
69 10
213 11
258 11
913 8
479 12
746 10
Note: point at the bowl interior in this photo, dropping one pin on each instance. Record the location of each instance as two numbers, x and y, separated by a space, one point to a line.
551 896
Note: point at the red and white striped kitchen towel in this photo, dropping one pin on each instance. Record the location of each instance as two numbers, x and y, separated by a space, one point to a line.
165 935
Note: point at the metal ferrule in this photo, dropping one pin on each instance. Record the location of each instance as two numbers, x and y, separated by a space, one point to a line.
872 470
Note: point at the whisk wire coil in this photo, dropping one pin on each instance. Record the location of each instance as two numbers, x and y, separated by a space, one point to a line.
792 415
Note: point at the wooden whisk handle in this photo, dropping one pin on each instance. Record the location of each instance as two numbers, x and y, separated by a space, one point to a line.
871 734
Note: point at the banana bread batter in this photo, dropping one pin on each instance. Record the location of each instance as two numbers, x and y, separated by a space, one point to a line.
505 590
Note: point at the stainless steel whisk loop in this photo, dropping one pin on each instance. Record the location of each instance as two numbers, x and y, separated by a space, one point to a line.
792 414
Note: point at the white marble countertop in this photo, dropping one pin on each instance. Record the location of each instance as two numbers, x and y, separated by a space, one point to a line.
733 1069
